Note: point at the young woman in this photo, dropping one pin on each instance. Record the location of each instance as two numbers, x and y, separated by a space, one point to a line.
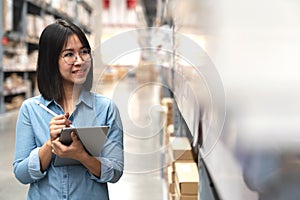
65 77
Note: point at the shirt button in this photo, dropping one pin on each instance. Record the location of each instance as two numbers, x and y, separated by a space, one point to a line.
64 196
65 176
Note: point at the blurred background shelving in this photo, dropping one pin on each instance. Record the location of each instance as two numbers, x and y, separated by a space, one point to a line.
221 77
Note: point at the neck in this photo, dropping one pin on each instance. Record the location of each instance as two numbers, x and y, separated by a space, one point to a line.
70 98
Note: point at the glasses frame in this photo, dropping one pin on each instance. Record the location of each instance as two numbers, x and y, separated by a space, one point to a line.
76 54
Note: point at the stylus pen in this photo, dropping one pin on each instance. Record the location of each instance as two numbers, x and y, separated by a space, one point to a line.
48 110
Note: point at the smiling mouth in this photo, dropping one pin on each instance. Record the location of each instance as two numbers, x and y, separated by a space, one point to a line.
79 71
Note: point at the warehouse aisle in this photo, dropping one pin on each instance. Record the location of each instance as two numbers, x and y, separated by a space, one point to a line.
139 108
139 105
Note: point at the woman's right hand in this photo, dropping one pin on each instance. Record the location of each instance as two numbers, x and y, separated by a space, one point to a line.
57 123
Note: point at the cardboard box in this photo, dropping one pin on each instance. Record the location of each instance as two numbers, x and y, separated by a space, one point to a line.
187 197
181 148
167 101
168 160
171 180
39 26
170 129
30 25
48 19
7 15
173 196
121 72
108 77
186 178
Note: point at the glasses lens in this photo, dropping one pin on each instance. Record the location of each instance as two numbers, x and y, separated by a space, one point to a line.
85 54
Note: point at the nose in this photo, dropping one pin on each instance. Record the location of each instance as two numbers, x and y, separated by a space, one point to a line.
78 59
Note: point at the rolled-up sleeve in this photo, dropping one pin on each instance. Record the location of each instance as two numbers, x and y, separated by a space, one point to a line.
109 171
34 166
112 159
26 159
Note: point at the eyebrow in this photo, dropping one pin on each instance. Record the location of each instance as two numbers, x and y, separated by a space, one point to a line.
71 49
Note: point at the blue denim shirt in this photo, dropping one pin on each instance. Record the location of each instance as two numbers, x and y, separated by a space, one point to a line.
73 181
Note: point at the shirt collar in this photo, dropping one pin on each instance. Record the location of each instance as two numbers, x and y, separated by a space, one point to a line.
85 97
45 101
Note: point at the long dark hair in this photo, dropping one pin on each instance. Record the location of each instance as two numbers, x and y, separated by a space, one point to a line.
52 40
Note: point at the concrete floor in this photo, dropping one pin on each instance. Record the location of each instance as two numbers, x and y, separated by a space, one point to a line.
10 188
139 108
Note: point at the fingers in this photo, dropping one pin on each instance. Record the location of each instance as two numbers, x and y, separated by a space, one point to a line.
59 149
60 120
68 122
55 145
57 123
67 115
74 136
74 151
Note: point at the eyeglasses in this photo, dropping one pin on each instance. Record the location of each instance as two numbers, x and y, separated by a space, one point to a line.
70 56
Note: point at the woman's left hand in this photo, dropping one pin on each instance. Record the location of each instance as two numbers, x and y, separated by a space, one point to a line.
75 151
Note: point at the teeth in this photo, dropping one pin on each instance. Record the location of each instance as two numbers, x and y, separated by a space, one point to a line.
79 71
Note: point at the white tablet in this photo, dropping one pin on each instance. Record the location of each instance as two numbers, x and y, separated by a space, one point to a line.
92 138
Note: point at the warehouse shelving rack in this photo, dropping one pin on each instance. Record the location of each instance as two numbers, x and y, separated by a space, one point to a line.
2 107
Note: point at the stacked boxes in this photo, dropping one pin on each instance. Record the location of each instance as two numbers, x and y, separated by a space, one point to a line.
167 105
114 73
14 84
181 171
186 180
15 103
167 117
170 179
17 61
182 175
35 25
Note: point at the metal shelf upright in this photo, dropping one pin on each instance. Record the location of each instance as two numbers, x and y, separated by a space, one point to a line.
2 107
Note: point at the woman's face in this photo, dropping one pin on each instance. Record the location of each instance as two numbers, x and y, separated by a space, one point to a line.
74 62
